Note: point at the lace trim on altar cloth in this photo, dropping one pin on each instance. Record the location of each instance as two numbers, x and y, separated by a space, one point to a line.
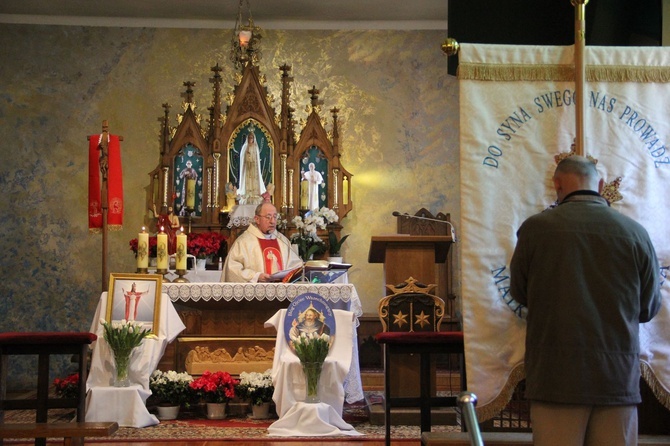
238 222
336 293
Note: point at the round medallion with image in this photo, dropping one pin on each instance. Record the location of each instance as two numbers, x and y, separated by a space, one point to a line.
309 316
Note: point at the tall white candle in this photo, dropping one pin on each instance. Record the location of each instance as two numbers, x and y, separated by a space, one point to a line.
190 193
180 254
162 250
143 249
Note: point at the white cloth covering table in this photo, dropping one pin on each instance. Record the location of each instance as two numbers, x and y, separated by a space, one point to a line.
340 296
126 405
303 419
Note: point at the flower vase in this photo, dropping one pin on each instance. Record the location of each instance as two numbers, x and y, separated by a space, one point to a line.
260 412
168 412
121 368
200 264
312 372
216 411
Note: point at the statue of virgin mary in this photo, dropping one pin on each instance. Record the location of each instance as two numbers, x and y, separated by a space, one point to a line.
251 179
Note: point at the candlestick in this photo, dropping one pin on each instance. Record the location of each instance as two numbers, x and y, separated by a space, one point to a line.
190 193
162 257
180 253
142 251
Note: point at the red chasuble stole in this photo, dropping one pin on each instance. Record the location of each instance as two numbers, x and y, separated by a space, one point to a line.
114 185
271 255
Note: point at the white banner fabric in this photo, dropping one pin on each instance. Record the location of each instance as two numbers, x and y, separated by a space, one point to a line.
517 114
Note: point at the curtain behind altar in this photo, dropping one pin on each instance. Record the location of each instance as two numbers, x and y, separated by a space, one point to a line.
517 113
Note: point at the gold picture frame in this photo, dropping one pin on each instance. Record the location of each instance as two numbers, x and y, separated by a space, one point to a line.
135 297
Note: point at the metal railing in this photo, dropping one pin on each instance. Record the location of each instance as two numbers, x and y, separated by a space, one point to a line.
467 402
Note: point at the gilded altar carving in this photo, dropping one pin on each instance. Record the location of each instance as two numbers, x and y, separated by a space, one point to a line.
245 359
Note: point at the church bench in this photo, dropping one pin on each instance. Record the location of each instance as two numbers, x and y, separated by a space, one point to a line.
43 345
67 431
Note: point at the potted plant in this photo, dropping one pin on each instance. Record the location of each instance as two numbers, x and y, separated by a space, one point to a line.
312 350
172 390
216 389
307 238
203 245
122 338
67 387
258 389
335 246
153 243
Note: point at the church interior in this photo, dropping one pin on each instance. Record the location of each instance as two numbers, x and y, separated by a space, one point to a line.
363 90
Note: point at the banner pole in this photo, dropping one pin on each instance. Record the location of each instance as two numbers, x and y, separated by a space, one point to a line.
580 72
104 198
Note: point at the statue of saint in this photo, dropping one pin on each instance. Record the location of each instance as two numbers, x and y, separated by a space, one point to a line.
251 179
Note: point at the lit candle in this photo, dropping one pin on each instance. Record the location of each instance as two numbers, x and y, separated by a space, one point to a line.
190 193
180 254
143 249
345 191
162 250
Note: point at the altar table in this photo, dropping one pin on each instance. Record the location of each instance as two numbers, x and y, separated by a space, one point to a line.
339 296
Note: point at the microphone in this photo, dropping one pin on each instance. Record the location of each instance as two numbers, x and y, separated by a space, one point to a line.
406 215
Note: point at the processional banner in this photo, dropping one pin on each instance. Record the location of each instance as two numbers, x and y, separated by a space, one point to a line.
517 114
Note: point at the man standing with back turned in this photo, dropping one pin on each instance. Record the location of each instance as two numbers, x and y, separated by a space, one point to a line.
589 276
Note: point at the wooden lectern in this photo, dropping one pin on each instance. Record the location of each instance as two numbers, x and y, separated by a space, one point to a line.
407 256
404 256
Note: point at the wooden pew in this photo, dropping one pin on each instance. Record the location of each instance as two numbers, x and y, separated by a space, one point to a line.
71 433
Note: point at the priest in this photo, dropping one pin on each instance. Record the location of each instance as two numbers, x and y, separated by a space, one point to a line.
260 251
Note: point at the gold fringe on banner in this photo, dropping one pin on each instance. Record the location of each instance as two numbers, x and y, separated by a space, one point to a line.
537 73
496 406
512 72
660 392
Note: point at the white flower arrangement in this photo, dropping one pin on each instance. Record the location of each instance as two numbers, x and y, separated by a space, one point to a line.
256 387
307 239
171 387
311 347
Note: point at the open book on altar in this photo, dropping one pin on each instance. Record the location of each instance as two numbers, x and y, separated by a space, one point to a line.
315 271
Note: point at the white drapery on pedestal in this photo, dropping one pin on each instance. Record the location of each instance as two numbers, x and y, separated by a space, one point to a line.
126 405
290 385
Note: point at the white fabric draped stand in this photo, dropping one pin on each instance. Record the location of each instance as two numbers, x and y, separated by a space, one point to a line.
312 419
340 296
126 405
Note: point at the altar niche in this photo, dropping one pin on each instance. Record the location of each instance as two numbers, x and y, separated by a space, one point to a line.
250 155
245 153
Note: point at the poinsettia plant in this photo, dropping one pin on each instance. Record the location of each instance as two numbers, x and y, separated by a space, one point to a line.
153 242
205 244
67 387
217 387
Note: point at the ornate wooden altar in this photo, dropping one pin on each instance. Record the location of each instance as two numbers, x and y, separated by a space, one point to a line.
244 153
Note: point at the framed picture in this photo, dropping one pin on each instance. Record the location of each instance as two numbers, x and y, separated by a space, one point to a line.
135 297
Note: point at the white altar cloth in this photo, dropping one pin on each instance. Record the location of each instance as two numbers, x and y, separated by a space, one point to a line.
311 419
126 405
242 215
287 374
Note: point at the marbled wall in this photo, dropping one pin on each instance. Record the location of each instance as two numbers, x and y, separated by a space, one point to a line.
398 133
